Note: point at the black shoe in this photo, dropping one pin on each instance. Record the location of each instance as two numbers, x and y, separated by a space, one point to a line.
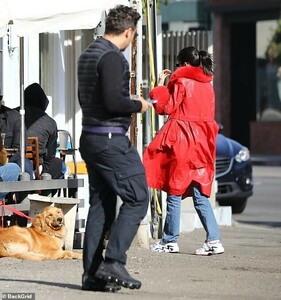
90 283
114 271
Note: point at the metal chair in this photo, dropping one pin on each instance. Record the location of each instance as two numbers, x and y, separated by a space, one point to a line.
65 147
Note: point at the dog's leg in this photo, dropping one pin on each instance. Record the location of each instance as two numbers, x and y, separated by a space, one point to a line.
61 254
71 255
28 256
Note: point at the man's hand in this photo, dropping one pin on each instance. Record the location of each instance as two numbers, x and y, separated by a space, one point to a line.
145 104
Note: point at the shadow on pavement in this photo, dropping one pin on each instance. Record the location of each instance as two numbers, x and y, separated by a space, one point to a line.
261 223
50 283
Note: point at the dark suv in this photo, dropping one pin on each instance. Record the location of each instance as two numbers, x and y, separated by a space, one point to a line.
233 174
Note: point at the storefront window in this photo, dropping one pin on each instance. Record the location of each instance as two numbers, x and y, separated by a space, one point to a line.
269 70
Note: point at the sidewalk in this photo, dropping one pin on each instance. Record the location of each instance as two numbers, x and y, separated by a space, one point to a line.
250 268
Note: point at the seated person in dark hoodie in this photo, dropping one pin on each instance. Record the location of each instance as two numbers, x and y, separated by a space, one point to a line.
10 127
39 123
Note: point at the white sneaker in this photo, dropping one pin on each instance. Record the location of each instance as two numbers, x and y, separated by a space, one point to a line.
165 247
209 248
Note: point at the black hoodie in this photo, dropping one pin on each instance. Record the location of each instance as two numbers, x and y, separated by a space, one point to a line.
38 122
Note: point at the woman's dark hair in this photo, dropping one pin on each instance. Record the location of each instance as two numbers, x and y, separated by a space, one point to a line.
121 18
196 58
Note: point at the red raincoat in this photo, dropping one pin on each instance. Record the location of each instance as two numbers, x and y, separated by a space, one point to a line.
183 152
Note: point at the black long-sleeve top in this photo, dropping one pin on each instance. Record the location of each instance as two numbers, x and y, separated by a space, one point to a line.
103 84
110 69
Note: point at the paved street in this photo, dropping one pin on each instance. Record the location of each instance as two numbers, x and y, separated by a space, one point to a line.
264 207
249 269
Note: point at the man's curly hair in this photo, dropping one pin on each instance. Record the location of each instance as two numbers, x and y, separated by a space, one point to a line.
121 18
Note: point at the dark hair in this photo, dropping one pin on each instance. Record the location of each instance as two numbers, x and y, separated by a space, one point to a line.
121 18
196 58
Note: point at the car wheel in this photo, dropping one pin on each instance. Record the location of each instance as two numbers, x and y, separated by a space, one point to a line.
237 205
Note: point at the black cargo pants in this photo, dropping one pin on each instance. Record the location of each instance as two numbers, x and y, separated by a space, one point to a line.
114 168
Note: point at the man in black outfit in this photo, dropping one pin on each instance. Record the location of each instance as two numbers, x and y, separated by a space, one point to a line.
114 165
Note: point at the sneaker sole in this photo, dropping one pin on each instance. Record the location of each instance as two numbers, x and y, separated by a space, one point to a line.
164 251
169 251
110 278
112 289
157 250
209 253
107 289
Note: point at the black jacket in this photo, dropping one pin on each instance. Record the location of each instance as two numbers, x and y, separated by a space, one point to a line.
103 86
10 124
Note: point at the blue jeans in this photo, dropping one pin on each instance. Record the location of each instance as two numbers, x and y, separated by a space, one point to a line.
9 172
172 222
28 166
205 213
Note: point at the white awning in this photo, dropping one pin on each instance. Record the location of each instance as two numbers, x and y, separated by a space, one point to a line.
35 16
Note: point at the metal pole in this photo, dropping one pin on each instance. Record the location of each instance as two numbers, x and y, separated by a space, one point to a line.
24 175
22 141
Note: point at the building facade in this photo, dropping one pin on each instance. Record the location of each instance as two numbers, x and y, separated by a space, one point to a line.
247 53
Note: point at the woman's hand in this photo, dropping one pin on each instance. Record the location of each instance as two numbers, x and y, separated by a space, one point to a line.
163 75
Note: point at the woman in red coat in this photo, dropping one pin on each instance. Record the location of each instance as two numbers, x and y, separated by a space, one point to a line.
180 160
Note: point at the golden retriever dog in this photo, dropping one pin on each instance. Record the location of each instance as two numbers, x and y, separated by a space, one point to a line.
43 240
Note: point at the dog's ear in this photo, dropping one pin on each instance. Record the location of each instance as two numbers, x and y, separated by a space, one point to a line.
37 222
